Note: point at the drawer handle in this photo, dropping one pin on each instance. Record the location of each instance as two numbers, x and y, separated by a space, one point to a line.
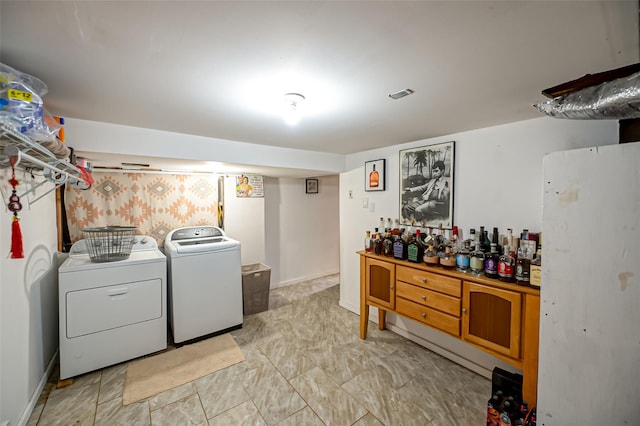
392 287
424 297
423 315
118 291
464 310
424 280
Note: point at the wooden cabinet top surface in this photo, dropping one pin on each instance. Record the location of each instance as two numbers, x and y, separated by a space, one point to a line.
454 274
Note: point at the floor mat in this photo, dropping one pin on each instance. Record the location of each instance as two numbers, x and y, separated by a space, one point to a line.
158 373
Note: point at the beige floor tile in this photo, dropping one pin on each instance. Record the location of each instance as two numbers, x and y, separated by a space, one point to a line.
220 391
305 417
112 413
112 383
271 393
332 404
74 406
245 414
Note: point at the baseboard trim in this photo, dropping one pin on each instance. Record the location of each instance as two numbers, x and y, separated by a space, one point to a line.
302 279
28 409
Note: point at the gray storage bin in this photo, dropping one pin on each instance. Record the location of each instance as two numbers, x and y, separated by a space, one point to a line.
256 280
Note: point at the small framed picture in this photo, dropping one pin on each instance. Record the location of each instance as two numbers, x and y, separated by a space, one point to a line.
312 186
374 176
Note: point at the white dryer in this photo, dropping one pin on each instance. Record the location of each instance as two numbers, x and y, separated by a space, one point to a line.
205 282
114 311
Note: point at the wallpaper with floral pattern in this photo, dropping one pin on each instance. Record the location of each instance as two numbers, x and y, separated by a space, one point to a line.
155 203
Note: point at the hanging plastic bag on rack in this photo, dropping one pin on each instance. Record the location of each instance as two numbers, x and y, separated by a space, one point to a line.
21 104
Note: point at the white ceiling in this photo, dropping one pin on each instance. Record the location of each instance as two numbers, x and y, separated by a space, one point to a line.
220 68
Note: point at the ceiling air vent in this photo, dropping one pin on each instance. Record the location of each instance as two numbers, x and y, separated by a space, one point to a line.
401 94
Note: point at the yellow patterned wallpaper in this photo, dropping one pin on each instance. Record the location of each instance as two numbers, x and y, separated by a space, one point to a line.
155 203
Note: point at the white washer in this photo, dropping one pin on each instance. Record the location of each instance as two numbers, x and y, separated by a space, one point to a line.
114 311
205 282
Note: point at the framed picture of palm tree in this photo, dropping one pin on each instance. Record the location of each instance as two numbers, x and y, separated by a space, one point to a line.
426 185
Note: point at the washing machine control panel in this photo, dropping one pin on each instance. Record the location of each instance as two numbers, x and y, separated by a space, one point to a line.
196 232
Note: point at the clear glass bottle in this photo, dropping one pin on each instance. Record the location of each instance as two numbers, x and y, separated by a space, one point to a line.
368 245
506 266
431 257
476 262
463 259
448 261
523 267
491 262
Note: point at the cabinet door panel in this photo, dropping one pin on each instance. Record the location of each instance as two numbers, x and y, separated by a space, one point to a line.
492 318
380 283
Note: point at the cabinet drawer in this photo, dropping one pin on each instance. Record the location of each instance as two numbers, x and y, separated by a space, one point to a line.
432 299
428 316
441 283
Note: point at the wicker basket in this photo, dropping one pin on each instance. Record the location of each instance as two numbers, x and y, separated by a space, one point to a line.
109 243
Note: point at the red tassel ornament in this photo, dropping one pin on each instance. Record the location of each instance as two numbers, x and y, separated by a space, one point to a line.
17 250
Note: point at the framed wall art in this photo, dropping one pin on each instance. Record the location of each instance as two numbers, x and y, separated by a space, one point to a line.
311 186
374 175
426 185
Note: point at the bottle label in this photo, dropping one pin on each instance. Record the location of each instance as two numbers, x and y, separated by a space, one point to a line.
490 266
463 261
536 275
477 264
505 269
412 253
398 250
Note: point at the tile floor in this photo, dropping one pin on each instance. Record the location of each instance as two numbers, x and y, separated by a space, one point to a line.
305 365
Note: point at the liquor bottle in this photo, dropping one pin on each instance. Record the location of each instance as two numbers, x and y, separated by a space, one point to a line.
476 262
506 266
431 257
448 261
389 225
368 245
374 178
387 245
399 248
523 267
485 244
493 415
381 225
491 262
463 259
454 236
535 275
495 238
377 244
415 250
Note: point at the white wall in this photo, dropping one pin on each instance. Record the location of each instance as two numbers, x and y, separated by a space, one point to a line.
244 221
498 182
28 307
302 229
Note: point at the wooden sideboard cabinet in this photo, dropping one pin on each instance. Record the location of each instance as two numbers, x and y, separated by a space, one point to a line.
499 318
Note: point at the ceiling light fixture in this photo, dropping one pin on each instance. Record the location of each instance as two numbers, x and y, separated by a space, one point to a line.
401 94
292 106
